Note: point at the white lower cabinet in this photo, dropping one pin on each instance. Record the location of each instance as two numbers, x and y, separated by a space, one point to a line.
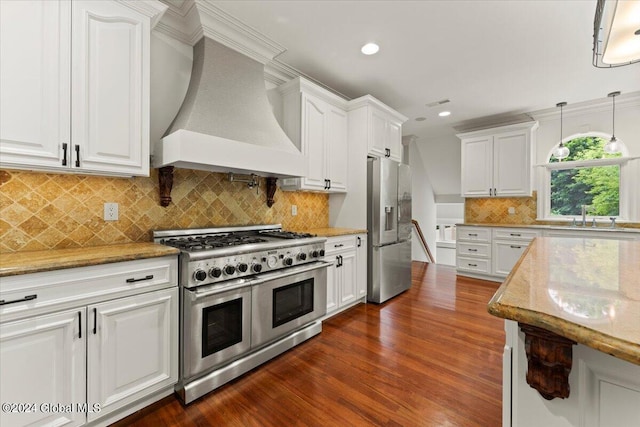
132 349
604 390
89 344
42 363
345 284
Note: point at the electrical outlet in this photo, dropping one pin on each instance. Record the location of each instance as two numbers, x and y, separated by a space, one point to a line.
110 211
294 210
512 210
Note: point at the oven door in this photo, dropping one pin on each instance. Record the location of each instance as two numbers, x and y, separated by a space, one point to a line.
285 300
216 325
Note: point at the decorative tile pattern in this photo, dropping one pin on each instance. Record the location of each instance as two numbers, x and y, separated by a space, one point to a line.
495 210
46 211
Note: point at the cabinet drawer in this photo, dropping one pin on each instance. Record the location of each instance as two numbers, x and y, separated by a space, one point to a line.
60 289
474 249
474 233
514 234
339 244
473 264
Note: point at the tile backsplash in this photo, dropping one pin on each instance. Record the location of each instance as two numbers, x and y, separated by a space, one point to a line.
495 210
52 211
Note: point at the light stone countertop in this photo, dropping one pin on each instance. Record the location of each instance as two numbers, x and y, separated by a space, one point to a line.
601 227
587 290
333 231
15 263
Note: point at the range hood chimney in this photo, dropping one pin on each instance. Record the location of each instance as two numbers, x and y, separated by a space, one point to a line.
226 123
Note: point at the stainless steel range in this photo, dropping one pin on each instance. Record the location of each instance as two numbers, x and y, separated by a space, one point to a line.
248 294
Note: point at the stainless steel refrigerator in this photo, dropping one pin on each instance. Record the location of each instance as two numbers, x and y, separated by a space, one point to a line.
389 227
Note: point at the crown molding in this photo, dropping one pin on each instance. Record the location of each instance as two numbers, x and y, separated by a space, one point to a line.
153 9
189 21
623 102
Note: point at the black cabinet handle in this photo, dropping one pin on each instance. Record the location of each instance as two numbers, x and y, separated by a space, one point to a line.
77 155
338 246
64 154
473 234
95 321
514 234
490 192
472 265
472 250
495 192
329 181
79 324
326 184
132 280
516 247
340 260
359 240
27 298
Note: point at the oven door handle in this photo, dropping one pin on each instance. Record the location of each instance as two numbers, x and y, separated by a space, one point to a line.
205 291
289 272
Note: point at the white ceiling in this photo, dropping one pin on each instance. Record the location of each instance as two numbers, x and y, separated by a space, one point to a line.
490 58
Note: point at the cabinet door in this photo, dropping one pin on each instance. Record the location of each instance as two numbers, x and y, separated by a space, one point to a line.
348 278
394 139
511 164
337 150
361 265
477 166
506 255
110 89
132 348
42 361
35 76
314 137
333 279
378 133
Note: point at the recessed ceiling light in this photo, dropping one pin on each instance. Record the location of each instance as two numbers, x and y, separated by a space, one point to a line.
420 119
444 113
370 49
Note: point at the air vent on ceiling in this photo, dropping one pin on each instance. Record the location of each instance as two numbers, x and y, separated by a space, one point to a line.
436 103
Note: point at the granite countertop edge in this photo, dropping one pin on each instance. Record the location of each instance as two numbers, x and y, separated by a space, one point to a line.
16 263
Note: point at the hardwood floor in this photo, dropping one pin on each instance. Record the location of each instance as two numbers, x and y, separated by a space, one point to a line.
429 357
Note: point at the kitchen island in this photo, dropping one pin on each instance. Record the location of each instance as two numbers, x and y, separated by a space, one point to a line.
576 358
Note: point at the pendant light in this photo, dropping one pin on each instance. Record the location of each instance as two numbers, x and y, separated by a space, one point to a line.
614 146
561 151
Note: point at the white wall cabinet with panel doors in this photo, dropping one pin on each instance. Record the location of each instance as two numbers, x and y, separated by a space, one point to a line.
343 286
383 126
498 162
103 338
97 121
316 122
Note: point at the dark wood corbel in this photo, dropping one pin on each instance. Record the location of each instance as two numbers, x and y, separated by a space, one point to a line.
549 359
271 190
165 179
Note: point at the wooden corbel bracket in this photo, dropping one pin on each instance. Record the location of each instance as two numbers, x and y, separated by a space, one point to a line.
271 190
165 179
549 359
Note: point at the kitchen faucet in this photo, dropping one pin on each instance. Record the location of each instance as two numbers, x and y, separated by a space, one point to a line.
584 215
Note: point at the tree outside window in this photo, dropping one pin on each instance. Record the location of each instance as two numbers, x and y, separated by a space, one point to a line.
597 187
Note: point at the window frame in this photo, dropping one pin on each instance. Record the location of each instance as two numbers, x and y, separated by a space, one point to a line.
629 199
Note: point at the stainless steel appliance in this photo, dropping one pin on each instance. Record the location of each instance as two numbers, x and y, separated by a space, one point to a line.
248 294
389 225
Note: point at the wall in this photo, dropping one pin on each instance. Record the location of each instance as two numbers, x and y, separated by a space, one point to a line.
441 156
51 211
595 116
424 206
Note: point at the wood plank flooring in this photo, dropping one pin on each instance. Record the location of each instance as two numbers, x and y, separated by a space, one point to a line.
429 357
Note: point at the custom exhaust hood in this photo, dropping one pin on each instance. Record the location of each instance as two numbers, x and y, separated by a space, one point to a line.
226 122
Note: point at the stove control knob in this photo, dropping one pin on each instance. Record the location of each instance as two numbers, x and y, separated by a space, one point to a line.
199 275
215 272
242 267
256 268
302 256
321 252
229 270
314 254
288 261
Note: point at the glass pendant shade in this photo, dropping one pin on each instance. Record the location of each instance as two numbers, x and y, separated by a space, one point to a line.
561 151
614 146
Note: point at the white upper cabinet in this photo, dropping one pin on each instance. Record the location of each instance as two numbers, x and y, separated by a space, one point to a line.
383 126
75 86
316 122
498 162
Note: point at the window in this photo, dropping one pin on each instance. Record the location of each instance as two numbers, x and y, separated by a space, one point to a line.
589 177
